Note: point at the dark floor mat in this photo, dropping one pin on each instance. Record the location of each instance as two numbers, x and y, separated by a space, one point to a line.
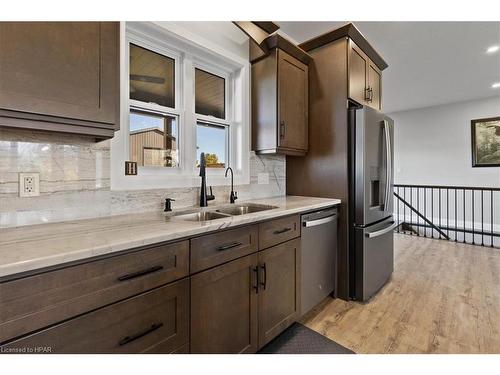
298 339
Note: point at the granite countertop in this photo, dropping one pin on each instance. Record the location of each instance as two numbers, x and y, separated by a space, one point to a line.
29 248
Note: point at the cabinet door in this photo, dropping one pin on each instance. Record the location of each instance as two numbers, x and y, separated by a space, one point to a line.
374 85
358 73
279 296
224 308
60 69
293 103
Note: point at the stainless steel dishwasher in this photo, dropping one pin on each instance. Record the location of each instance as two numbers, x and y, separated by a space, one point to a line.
318 256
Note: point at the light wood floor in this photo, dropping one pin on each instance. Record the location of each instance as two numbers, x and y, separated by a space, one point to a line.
443 298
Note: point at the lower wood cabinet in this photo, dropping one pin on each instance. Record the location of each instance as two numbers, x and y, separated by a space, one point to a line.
279 297
240 306
151 301
31 303
152 322
224 308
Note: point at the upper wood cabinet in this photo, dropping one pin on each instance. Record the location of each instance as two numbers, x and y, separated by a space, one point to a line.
280 85
60 76
293 103
375 85
364 78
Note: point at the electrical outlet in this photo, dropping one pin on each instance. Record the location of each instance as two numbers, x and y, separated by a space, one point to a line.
263 178
29 184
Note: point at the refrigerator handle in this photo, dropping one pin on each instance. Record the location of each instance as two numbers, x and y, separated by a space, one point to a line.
382 231
388 164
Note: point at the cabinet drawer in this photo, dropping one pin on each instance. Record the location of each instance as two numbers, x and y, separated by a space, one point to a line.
153 322
277 231
211 250
37 301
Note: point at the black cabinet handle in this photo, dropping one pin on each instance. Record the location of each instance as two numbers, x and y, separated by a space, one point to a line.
128 339
282 230
264 283
256 286
140 273
229 246
369 94
282 129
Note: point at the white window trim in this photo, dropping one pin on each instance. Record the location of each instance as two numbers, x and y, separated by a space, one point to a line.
189 51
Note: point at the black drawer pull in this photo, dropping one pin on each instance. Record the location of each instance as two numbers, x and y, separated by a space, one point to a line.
264 283
128 339
229 246
282 230
140 273
257 282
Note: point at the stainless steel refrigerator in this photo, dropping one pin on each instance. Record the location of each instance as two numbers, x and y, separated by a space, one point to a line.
371 249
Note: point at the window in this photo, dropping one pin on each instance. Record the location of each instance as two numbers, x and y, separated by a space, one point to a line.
210 94
212 137
153 128
152 77
183 95
212 140
153 139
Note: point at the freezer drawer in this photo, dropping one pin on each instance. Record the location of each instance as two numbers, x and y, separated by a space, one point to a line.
374 247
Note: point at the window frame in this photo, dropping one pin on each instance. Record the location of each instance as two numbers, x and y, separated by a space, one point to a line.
189 51
154 108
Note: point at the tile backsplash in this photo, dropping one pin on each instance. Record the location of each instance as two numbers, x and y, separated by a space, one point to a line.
75 181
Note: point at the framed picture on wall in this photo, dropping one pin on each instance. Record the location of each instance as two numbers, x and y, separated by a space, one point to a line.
486 142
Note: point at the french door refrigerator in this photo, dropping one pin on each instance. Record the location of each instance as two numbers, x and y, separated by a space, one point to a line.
371 249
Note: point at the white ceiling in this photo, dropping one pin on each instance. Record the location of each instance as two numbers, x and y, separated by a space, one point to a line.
430 63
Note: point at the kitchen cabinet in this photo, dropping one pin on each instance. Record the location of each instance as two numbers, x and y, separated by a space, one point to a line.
279 230
240 306
280 92
224 308
33 302
60 77
279 297
364 78
153 322
292 108
375 86
230 291
214 249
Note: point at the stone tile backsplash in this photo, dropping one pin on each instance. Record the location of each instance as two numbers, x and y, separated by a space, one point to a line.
75 181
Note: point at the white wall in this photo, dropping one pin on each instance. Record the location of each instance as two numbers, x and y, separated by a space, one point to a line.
433 145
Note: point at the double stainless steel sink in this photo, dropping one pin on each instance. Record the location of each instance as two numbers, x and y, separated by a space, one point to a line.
221 212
